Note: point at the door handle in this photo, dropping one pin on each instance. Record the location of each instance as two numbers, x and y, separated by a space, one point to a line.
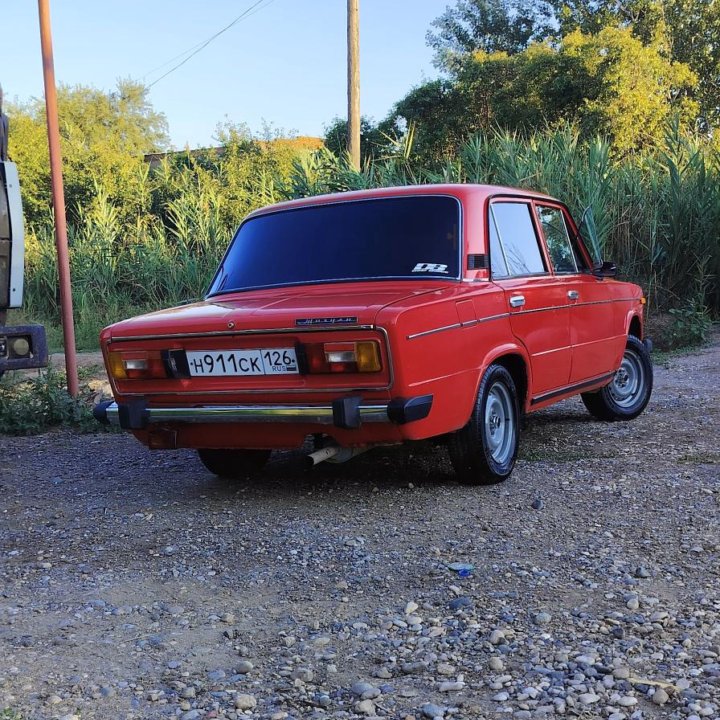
573 294
517 301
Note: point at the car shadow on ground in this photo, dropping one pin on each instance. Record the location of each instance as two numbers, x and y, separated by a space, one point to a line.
419 464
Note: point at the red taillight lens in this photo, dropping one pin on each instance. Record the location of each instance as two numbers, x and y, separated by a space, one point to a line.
343 357
136 365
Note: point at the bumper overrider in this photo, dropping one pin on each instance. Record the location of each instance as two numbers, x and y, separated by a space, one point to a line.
347 413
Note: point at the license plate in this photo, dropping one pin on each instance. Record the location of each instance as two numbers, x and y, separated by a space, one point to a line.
265 361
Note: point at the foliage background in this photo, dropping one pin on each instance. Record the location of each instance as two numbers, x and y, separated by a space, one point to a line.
607 105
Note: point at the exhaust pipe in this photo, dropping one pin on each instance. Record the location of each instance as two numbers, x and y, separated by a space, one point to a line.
333 453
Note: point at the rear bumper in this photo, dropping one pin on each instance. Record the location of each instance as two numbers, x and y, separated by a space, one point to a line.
347 413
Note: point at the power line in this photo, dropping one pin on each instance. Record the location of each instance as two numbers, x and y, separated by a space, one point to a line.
255 7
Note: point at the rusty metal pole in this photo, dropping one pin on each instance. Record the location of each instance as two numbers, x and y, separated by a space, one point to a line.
58 196
353 52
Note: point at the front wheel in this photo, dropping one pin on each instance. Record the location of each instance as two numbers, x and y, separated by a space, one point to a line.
629 392
485 450
233 464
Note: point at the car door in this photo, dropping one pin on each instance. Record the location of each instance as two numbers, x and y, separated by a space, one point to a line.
536 301
593 334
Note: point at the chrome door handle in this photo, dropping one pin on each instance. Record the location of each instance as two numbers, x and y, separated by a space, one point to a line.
573 294
517 301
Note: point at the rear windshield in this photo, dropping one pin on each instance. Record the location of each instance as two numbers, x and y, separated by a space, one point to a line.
401 237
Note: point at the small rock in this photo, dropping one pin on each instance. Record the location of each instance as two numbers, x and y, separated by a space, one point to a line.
448 686
367 707
304 674
244 667
245 702
497 637
660 697
627 701
365 690
642 572
411 607
430 710
588 698
496 664
543 618
538 504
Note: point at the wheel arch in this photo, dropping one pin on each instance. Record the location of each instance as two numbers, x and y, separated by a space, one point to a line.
515 362
635 327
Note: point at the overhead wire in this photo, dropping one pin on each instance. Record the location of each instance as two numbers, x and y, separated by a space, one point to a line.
254 8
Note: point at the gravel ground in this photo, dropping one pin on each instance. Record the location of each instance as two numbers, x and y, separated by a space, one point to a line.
136 585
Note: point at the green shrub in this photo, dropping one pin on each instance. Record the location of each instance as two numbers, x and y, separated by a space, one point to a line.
32 405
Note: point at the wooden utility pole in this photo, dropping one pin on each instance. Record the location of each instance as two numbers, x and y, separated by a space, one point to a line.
353 44
58 197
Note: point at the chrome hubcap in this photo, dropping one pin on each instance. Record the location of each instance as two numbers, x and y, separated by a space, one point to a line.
499 423
629 380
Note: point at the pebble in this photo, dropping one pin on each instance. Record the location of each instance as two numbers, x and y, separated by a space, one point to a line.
430 710
660 697
543 618
496 664
243 701
244 666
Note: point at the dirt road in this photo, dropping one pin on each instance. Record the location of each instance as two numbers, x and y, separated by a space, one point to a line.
136 585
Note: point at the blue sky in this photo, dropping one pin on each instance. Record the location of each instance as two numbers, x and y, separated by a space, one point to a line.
285 64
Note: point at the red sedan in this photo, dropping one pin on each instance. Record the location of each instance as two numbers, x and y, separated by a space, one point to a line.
374 317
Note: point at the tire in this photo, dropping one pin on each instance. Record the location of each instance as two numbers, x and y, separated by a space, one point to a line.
485 450
629 392
233 464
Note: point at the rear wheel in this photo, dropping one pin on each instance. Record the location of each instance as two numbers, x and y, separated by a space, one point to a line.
629 392
485 450
233 463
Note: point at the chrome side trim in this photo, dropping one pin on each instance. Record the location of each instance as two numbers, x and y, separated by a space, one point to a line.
314 414
455 326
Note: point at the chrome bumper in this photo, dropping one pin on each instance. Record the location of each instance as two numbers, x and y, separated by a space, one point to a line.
347 413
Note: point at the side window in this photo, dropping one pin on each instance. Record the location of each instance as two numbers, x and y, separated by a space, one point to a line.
498 266
557 238
517 239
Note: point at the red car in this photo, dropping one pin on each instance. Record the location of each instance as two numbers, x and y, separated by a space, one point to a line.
375 317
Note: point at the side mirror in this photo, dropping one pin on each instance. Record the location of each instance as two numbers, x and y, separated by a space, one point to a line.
605 269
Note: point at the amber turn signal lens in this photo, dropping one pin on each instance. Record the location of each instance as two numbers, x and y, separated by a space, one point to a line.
367 356
116 367
136 365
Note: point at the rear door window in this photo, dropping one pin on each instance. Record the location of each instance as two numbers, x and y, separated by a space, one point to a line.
517 239
557 238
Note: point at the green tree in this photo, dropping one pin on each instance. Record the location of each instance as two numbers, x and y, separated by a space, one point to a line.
488 26
608 83
104 137
372 141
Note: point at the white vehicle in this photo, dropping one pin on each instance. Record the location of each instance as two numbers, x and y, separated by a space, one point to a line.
21 346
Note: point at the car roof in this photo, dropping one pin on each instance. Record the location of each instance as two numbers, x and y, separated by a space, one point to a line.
461 191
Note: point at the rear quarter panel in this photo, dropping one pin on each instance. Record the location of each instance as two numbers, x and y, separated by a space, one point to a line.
441 345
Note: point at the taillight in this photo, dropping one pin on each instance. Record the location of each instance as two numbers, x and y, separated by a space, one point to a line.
343 357
136 365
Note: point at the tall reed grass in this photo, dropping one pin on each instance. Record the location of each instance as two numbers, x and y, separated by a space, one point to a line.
657 215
